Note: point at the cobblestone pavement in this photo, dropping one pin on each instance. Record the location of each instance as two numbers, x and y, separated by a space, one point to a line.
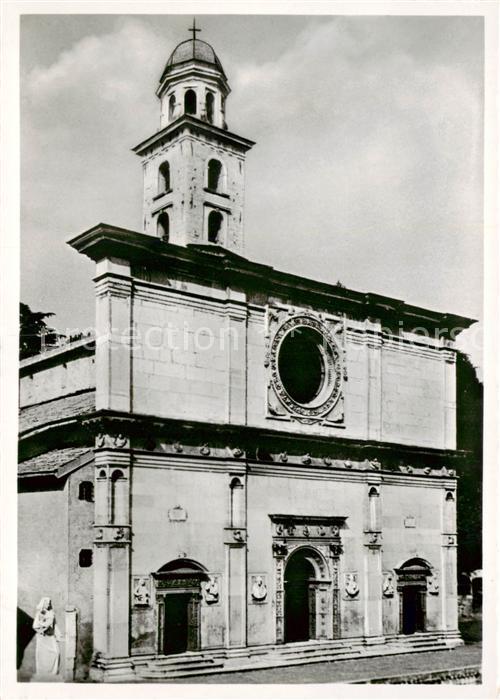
355 669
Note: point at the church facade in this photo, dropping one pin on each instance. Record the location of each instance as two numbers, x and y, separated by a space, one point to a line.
260 469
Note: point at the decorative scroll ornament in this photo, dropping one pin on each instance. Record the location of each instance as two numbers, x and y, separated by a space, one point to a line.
211 590
205 450
119 534
388 585
336 550
279 549
351 586
258 588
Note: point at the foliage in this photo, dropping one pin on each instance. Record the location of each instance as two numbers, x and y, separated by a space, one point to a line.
469 489
34 333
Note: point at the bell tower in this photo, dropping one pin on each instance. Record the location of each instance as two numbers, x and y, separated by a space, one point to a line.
194 166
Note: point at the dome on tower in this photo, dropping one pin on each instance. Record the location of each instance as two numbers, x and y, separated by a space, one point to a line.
192 50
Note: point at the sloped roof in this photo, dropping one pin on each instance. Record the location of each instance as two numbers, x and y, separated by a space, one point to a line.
40 414
51 462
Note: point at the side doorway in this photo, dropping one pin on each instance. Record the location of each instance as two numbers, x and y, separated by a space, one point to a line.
178 598
412 589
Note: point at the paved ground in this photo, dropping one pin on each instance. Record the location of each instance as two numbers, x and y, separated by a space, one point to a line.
355 669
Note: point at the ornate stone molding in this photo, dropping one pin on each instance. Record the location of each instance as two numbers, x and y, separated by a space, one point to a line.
373 539
235 536
112 441
328 409
112 534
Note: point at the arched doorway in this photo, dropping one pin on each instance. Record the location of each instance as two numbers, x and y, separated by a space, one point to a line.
178 596
412 589
300 598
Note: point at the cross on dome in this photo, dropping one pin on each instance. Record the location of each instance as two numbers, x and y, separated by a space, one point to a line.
194 29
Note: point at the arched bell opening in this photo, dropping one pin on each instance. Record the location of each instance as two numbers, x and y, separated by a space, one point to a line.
412 590
301 585
190 102
178 597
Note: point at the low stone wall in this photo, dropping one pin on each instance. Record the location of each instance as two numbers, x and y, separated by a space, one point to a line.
468 675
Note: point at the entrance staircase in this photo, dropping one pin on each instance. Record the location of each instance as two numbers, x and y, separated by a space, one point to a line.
178 666
151 668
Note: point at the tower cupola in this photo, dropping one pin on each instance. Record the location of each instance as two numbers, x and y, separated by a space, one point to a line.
194 166
193 82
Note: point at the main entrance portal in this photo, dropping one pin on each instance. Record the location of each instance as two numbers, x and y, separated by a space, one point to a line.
300 597
178 595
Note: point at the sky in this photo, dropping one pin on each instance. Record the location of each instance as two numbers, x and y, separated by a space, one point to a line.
367 167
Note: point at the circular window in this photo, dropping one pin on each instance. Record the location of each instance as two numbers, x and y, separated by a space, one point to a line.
304 366
301 364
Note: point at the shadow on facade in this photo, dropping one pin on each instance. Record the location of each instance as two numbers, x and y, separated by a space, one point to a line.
25 634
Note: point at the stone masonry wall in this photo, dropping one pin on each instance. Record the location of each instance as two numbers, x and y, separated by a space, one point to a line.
188 203
66 377
212 368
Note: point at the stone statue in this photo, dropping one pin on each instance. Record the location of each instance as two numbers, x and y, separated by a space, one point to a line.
259 588
141 592
212 590
47 639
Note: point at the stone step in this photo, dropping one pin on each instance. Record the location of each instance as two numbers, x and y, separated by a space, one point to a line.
152 673
312 653
179 662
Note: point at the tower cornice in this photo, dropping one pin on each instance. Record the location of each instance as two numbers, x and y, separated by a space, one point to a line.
196 126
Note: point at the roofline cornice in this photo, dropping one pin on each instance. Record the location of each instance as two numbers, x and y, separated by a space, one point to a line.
214 263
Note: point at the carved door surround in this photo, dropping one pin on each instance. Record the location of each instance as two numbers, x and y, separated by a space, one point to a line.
181 578
319 539
413 585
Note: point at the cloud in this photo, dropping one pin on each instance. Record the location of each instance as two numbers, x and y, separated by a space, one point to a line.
367 166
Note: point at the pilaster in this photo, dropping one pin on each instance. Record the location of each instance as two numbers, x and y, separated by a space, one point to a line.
374 377
236 353
112 540
372 562
449 606
235 543
114 334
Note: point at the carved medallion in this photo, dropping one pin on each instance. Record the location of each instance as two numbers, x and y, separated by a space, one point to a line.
258 588
351 586
141 591
325 356
388 585
211 590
